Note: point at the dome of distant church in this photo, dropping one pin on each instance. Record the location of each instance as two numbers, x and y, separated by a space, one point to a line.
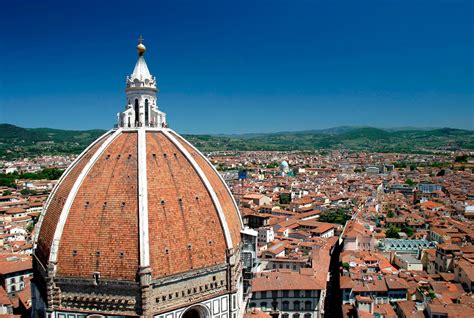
138 209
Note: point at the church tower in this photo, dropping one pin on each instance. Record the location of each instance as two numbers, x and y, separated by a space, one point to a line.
140 225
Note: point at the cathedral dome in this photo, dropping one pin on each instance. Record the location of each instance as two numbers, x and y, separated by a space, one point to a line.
139 224
135 198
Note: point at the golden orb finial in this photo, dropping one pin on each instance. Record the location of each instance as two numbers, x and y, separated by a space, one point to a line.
140 47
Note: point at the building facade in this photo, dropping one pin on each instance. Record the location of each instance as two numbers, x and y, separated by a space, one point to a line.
14 270
288 295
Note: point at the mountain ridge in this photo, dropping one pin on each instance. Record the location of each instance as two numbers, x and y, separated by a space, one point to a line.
17 142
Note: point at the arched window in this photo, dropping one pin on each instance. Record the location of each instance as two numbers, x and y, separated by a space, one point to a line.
263 305
307 305
146 112
307 315
136 112
296 305
196 312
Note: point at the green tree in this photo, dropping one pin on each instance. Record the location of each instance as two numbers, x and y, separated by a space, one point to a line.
30 227
7 180
401 164
410 182
462 158
6 192
390 214
392 232
408 230
272 165
26 192
285 198
339 216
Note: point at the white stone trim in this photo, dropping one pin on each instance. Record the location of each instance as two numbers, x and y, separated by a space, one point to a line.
223 308
63 176
207 184
143 201
217 172
72 195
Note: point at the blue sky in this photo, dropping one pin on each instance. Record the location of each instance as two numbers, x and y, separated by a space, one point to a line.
241 66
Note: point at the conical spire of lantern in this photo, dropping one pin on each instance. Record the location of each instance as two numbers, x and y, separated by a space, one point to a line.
141 109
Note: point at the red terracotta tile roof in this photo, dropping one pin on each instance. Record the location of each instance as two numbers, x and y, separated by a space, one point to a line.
268 281
14 263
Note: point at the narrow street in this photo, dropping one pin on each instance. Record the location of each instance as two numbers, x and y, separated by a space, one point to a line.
333 302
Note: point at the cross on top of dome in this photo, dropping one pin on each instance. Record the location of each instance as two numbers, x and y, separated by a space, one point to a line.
140 47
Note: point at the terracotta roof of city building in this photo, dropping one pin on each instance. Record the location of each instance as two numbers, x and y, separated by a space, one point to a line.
285 280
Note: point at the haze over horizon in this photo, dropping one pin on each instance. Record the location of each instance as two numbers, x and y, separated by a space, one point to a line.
241 68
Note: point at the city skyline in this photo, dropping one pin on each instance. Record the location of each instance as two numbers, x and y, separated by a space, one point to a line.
275 159
247 68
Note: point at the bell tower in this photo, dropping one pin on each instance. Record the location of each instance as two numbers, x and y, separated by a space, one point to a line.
141 106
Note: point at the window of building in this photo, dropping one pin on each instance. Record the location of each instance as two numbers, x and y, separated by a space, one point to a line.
263 294
296 305
307 315
296 293
296 315
286 293
307 305
274 294
136 111
274 305
263 305
146 111
308 293
286 305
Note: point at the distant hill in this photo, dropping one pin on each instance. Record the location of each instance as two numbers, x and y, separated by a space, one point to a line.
351 138
17 142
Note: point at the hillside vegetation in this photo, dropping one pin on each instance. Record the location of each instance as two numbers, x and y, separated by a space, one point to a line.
17 142
365 138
